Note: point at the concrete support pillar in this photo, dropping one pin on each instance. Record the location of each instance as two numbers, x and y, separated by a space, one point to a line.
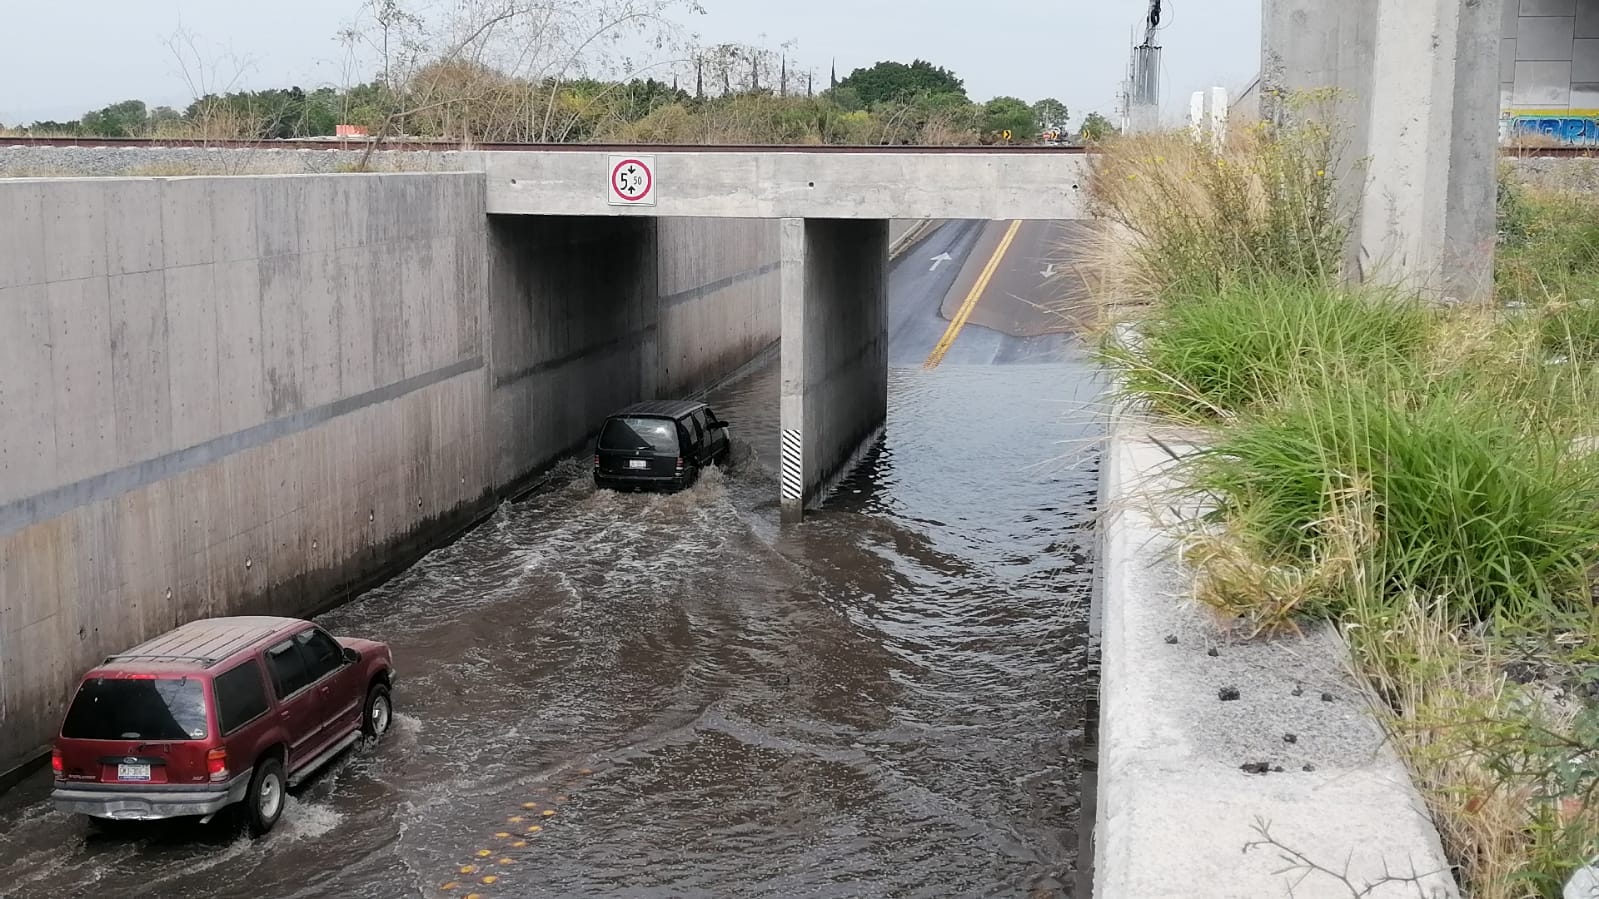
834 363
1417 109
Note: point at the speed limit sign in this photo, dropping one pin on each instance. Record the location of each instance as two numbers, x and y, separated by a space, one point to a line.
632 181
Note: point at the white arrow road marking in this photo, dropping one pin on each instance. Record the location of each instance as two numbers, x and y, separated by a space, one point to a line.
940 259
1049 271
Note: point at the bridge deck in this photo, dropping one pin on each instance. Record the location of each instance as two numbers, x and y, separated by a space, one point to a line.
785 182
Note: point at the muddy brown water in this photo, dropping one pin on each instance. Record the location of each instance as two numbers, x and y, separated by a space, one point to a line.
885 701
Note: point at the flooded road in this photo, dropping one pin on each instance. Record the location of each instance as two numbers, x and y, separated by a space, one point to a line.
617 695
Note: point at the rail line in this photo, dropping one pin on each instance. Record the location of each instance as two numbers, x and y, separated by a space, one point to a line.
447 146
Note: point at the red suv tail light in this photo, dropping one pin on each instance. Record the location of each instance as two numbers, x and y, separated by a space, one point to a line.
679 463
596 460
216 764
55 764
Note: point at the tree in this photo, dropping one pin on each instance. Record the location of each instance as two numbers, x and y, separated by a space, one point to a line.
126 119
888 82
51 127
498 69
1049 114
1095 128
1009 114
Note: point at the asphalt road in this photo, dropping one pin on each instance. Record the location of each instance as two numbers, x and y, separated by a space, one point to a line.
1007 293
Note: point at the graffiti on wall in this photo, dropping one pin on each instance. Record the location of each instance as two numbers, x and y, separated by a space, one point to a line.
1568 128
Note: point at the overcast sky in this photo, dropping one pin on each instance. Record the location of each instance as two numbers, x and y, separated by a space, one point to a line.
60 59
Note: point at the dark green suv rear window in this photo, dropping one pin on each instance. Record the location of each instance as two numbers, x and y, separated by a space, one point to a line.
640 433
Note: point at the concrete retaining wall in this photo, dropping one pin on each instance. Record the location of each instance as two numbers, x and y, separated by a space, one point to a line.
257 395
719 297
220 396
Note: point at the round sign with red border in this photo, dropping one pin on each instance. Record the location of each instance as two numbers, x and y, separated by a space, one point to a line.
632 181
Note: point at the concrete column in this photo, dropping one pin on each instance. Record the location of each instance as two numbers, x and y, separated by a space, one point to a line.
1417 107
834 361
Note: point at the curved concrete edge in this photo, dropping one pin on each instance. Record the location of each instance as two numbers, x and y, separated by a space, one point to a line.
906 233
1175 811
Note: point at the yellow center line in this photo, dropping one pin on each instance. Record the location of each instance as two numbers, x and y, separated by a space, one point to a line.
958 320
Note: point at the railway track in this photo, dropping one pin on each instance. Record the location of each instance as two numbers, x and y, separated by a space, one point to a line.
446 146
442 146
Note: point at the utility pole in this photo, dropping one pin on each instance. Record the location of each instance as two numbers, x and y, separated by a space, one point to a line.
1141 110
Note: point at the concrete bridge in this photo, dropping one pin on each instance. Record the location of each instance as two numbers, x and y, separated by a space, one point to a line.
834 205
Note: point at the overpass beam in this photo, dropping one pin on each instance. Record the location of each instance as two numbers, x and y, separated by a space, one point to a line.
834 364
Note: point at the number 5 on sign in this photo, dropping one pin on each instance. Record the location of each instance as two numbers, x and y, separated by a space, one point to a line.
632 181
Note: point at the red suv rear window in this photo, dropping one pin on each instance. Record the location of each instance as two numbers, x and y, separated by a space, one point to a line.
117 708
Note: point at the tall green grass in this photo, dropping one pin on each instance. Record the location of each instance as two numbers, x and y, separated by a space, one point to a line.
1243 347
1467 504
1548 244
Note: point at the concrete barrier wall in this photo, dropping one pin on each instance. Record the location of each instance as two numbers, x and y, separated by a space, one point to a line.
258 395
572 331
221 396
719 298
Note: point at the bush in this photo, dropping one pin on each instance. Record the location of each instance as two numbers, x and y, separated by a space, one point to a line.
1242 347
1466 504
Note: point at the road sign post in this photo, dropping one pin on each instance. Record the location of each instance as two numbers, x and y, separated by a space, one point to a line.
631 181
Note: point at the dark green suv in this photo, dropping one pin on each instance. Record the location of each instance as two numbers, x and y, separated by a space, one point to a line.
662 444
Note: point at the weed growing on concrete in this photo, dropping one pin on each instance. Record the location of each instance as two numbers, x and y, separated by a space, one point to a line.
1299 867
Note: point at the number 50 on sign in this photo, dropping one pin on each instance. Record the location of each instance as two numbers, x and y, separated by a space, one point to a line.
632 181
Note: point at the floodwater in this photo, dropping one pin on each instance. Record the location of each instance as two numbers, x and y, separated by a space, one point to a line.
647 696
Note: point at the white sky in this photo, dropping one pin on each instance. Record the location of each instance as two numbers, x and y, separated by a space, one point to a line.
58 60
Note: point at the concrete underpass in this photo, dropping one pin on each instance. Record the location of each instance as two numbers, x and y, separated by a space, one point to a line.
708 702
243 396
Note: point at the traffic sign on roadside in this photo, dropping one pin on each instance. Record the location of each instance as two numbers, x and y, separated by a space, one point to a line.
632 181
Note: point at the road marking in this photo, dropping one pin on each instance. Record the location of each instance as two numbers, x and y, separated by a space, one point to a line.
940 259
958 320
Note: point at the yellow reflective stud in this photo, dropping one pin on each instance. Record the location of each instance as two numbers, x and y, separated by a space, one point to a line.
474 896
502 835
530 805
534 828
483 853
549 813
449 886
507 861
468 869
489 878
519 844
585 771
515 819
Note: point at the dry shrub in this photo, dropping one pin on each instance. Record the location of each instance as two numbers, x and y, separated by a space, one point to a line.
1192 218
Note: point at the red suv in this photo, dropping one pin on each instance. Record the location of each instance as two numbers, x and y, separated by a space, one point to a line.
217 712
